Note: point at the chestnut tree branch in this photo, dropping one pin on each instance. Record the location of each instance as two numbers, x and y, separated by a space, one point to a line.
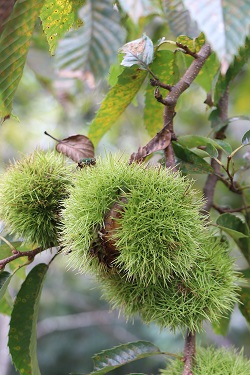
18 254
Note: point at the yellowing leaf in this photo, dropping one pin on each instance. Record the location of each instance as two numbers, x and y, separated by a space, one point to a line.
14 44
116 101
58 16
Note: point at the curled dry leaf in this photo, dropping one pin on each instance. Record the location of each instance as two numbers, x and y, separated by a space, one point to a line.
159 142
76 147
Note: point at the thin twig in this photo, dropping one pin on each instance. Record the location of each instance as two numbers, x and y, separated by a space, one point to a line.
30 254
229 210
187 50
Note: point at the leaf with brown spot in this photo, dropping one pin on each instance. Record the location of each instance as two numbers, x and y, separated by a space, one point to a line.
159 142
75 147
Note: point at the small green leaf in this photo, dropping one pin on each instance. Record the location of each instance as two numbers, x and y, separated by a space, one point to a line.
226 147
209 144
118 356
221 326
57 18
165 69
116 101
5 278
139 51
206 76
245 273
246 138
244 306
14 45
189 162
233 226
6 305
22 334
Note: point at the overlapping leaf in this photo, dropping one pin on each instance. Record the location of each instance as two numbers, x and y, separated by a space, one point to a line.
93 46
116 101
22 334
58 16
189 162
138 9
165 69
179 19
245 303
14 44
225 24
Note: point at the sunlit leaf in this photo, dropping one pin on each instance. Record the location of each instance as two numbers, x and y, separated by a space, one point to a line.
92 47
165 69
120 355
58 16
14 44
244 306
116 101
189 162
246 138
225 24
179 19
22 334
138 9
139 51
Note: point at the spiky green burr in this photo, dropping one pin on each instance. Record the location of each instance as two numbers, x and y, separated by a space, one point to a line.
31 194
213 361
159 260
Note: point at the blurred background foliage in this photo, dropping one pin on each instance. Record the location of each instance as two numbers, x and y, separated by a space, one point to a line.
75 323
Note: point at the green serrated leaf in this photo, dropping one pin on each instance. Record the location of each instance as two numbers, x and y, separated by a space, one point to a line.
235 67
233 225
93 46
58 16
22 334
116 101
246 138
233 20
118 356
165 69
189 162
221 326
14 44
244 306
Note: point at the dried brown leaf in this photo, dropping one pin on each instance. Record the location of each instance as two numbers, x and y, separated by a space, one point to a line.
159 142
75 147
